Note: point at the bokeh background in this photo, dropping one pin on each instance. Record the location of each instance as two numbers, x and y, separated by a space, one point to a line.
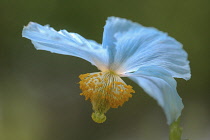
39 91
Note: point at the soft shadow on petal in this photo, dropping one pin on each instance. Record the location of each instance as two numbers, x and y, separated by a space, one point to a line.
63 42
148 46
159 84
115 28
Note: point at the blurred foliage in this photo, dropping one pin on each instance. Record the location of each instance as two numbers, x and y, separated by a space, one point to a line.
39 94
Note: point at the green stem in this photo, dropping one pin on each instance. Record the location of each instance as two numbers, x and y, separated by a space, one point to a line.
175 131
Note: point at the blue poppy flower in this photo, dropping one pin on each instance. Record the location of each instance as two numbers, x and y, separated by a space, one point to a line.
145 55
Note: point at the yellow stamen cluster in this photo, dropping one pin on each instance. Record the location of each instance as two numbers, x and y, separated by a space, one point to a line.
105 90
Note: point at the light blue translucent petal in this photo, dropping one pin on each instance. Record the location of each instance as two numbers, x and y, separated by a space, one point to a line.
63 42
148 46
115 28
160 85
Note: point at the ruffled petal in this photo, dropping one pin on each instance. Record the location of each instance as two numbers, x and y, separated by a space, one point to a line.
63 42
160 85
115 28
147 46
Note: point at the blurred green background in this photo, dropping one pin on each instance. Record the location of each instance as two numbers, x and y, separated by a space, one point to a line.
39 91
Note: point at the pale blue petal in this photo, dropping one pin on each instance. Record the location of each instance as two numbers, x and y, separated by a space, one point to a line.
115 28
148 46
63 42
159 84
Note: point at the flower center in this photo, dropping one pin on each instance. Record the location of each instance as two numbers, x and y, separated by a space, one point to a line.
105 90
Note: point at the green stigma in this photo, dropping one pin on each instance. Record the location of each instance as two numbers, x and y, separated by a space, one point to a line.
98 117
